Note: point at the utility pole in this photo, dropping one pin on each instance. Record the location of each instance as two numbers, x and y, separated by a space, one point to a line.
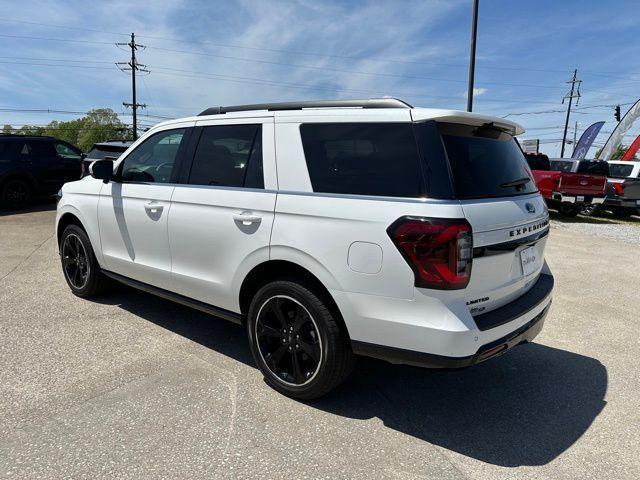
574 93
133 66
575 134
472 55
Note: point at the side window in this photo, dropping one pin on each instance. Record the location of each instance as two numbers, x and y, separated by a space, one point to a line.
5 152
42 152
229 156
363 159
65 151
153 160
24 152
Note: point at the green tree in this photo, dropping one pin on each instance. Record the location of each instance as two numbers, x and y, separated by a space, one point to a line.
97 125
7 128
617 155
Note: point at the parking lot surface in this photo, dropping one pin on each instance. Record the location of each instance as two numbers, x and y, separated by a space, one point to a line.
133 386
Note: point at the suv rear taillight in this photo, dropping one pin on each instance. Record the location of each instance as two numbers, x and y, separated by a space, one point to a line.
438 250
619 188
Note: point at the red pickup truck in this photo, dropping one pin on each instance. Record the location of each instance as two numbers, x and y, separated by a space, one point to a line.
568 192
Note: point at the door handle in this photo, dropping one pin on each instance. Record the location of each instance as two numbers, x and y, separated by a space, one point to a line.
246 218
153 207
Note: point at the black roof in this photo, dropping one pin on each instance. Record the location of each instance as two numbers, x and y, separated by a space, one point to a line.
371 103
19 136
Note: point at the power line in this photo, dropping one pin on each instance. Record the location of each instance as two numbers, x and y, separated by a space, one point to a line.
261 81
28 37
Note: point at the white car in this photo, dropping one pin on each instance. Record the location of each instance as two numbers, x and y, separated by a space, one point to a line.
328 229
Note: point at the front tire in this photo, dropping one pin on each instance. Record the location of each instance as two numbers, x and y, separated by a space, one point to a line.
79 264
296 341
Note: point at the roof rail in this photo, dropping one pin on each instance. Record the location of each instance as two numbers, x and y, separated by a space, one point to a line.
371 103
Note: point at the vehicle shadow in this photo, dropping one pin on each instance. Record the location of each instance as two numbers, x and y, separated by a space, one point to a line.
523 408
40 205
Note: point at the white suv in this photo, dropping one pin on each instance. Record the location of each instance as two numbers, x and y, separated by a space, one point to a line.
327 228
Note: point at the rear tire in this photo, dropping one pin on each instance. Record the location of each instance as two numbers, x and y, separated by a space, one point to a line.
296 341
568 210
79 264
15 193
622 212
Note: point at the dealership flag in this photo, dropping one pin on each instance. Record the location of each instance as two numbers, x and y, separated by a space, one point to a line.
586 139
618 133
631 152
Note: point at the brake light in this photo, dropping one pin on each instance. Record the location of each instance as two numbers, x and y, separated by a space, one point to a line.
438 250
618 188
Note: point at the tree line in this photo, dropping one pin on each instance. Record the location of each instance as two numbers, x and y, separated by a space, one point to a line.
98 125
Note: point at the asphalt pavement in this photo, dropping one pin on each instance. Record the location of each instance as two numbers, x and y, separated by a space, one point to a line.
133 386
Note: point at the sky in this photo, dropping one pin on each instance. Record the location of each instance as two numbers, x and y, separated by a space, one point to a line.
61 55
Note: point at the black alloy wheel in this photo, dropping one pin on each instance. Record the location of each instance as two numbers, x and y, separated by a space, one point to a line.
15 194
298 338
288 340
75 261
79 265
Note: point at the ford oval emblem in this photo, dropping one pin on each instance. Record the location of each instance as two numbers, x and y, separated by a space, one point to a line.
583 182
531 208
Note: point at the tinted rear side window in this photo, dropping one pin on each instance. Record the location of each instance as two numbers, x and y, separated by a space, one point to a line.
620 171
485 162
379 159
229 156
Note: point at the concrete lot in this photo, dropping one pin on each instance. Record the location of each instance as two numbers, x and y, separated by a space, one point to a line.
132 386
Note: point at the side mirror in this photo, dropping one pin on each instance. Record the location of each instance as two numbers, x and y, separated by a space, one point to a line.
83 156
102 170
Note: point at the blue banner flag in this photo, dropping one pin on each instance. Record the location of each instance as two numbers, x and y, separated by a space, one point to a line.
586 140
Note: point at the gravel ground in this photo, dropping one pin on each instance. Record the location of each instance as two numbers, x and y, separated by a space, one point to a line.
627 231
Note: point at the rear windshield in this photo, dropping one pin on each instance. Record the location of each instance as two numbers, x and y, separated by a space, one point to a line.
100 153
379 159
485 162
561 166
593 167
617 170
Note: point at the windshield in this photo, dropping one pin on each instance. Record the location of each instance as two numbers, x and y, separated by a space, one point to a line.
485 162
620 171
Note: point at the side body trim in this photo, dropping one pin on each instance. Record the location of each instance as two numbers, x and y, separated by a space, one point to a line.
175 297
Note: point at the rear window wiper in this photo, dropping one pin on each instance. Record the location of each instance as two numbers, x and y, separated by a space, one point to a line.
516 183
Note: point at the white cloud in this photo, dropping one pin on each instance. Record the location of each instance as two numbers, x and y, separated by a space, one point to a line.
349 35
479 91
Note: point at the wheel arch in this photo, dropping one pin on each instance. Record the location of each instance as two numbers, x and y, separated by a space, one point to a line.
279 269
66 219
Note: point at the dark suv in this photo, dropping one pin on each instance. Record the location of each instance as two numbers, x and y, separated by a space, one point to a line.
35 166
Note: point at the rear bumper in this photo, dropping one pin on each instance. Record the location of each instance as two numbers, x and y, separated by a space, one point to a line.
494 333
524 334
581 199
